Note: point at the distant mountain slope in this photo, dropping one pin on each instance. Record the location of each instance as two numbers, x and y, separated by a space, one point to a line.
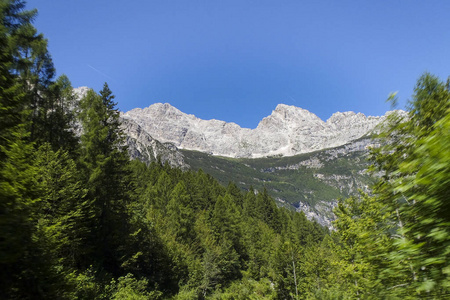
288 131
310 182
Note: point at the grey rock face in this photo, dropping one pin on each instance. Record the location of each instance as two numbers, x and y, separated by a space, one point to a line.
322 212
145 148
288 131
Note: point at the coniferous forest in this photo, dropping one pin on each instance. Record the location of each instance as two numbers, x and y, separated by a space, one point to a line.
80 220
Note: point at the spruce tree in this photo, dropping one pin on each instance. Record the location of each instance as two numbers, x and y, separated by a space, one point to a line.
105 162
181 215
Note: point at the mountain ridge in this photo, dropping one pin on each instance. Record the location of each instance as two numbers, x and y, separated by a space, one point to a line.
287 131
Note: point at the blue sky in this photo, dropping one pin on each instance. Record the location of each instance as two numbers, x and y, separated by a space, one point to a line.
236 60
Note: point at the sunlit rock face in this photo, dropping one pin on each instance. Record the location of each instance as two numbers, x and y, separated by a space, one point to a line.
288 131
144 147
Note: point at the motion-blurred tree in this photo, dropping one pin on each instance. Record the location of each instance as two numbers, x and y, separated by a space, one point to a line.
402 234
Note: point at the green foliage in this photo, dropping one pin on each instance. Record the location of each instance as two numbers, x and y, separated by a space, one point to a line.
247 288
19 194
128 288
267 210
19 190
415 190
212 240
57 121
396 243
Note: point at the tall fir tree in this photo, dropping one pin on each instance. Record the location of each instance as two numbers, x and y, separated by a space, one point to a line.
105 162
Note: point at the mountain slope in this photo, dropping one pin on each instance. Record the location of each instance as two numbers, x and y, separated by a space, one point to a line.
288 131
310 182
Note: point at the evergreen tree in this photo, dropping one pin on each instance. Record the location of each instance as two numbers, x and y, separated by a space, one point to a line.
62 204
19 191
395 243
19 201
236 194
365 240
260 242
181 215
267 210
250 207
105 163
32 64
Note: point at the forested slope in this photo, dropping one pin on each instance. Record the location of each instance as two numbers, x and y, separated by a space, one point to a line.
311 182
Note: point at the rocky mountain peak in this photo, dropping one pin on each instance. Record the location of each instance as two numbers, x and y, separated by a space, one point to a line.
290 113
288 130
161 110
290 110
340 115
288 117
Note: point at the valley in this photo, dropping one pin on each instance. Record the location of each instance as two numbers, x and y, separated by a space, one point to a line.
309 181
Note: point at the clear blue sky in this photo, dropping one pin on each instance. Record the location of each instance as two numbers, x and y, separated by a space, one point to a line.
236 60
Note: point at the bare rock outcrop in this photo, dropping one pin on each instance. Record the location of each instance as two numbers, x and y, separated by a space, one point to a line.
288 131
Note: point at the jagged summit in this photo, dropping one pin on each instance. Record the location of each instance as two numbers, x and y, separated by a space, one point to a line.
287 117
288 130
291 110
